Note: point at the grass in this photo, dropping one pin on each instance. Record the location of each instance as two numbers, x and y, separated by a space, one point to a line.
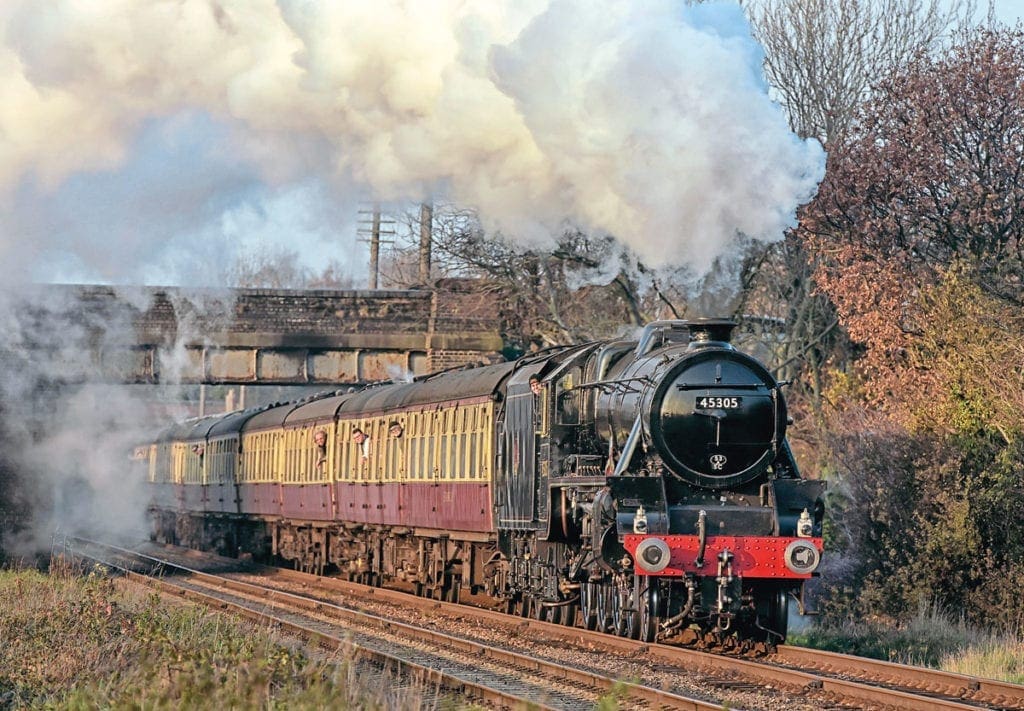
75 641
931 638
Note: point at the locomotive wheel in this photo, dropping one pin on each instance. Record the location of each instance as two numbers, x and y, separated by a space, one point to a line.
604 596
777 618
525 606
562 614
589 593
623 612
540 611
569 614
647 614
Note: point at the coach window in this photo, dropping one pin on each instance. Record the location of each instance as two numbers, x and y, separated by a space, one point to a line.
460 442
477 442
411 434
291 469
371 459
429 465
263 462
421 445
296 454
397 444
343 451
471 418
455 453
258 455
252 451
443 434
213 465
219 461
262 472
475 454
378 459
246 458
422 435
453 444
474 444
379 446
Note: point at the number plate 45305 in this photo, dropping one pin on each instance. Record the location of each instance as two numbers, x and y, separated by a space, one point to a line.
708 402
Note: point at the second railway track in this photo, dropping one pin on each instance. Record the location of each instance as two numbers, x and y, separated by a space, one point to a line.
509 661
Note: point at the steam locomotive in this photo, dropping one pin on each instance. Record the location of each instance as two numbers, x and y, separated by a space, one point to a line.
644 488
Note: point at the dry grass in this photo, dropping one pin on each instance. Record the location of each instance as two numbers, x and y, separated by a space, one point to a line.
999 658
931 638
80 640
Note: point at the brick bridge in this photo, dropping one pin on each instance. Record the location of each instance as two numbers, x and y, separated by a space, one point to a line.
263 336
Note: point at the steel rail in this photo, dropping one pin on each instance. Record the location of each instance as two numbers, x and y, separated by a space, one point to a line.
944 690
288 602
1003 694
941 690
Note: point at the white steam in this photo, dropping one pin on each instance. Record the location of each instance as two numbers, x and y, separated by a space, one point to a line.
142 142
65 436
649 121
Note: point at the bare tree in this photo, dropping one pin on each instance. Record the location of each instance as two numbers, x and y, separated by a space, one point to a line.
280 268
823 56
582 288
823 59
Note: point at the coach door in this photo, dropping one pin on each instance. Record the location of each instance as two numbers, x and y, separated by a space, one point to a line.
517 473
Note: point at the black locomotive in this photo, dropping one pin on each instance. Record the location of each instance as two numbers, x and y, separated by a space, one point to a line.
645 488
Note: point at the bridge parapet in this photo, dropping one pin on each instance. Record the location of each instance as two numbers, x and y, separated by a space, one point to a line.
263 336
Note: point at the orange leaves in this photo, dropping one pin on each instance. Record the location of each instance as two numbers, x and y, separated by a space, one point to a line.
931 177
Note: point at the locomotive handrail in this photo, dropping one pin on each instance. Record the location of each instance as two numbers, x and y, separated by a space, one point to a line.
730 386
610 384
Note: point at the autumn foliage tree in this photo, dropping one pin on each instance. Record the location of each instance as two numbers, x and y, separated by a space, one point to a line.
916 238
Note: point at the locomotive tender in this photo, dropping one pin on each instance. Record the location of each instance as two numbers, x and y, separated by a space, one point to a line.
642 488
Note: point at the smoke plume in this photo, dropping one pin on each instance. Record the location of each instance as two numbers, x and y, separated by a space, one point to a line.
160 122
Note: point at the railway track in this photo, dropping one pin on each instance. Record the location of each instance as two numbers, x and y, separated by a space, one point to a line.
522 648
988 692
479 671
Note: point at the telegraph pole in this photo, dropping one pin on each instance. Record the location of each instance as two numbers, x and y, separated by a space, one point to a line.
375 248
426 222
371 227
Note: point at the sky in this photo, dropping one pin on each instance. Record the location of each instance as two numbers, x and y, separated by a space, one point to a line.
1009 11
154 142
